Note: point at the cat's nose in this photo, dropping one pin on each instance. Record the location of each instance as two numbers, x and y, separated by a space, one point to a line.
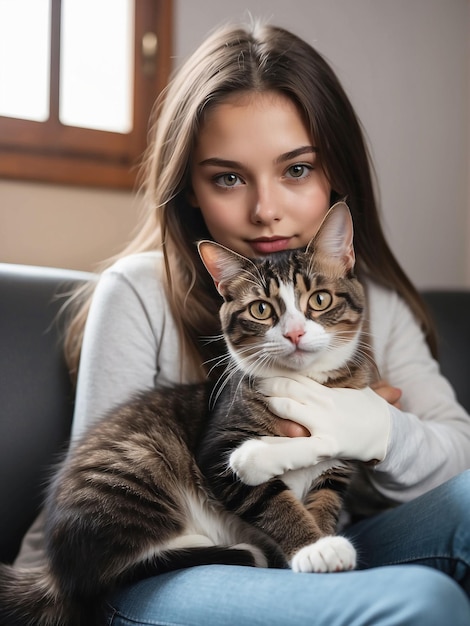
294 335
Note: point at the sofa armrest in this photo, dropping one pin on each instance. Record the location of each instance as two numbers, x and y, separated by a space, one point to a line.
35 391
450 310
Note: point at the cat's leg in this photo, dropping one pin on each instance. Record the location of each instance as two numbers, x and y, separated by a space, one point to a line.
330 553
256 461
285 519
324 505
275 509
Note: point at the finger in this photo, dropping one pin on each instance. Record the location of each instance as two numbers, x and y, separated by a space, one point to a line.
389 393
279 386
299 387
293 411
286 408
288 428
323 448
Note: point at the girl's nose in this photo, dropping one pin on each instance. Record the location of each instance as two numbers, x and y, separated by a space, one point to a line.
265 206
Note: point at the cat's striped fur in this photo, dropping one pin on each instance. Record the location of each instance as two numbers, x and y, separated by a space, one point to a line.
130 500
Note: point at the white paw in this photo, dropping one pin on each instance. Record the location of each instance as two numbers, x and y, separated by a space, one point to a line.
328 554
255 462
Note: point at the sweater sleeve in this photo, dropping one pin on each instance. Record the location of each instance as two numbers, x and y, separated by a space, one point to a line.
430 435
128 326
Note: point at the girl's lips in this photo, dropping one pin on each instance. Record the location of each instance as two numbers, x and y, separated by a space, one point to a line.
267 246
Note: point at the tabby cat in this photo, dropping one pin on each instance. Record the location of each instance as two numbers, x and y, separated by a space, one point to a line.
130 501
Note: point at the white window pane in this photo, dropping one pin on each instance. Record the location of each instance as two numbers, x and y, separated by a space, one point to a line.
97 58
25 59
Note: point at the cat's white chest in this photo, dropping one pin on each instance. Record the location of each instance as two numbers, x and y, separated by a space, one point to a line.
299 481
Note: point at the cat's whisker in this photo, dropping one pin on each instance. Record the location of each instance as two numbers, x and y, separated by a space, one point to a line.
367 357
219 357
218 361
259 356
221 384
264 363
230 370
212 339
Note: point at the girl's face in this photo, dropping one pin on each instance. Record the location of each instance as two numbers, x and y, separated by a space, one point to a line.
256 176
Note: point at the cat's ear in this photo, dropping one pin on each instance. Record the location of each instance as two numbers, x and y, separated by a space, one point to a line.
222 263
335 236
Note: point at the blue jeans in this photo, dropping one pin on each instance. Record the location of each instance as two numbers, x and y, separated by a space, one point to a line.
397 583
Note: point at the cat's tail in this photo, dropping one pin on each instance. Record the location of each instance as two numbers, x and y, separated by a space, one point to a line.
240 554
31 597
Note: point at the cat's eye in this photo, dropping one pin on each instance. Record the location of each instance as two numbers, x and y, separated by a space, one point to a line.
320 300
261 310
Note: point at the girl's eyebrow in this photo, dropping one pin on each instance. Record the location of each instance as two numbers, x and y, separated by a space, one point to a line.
287 156
293 154
221 163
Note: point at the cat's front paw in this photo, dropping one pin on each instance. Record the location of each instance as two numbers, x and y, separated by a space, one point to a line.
255 462
328 554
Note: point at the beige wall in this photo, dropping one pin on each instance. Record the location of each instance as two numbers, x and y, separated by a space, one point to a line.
62 226
406 67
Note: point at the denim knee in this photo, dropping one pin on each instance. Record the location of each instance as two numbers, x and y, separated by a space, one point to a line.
458 501
431 598
460 485
458 489
409 595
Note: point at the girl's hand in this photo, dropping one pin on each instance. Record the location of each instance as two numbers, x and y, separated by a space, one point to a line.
345 423
389 393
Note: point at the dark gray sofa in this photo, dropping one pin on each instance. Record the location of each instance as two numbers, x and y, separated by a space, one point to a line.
36 398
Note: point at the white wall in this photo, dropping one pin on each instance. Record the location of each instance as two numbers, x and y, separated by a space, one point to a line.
406 67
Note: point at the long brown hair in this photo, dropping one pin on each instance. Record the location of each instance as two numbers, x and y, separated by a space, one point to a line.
255 58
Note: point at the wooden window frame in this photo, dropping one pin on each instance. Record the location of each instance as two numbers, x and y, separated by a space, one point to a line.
52 152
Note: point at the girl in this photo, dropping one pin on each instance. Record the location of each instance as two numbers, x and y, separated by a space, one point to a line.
253 142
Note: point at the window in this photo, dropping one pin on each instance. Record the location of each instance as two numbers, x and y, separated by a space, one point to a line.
75 104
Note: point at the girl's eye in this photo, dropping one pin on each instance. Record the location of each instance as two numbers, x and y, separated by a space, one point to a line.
261 310
320 300
227 180
299 170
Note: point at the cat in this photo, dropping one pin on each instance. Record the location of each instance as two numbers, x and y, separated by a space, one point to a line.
130 500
